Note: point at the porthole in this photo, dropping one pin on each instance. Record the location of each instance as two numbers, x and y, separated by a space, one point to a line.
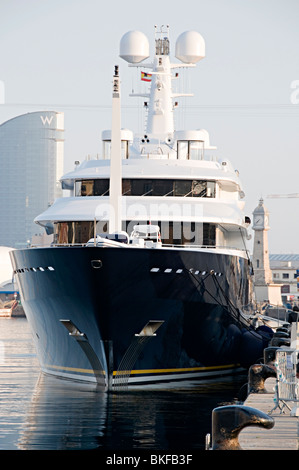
96 263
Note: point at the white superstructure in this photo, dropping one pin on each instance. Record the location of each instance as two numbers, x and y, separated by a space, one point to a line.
170 177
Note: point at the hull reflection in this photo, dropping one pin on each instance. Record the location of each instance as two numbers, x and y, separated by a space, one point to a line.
68 416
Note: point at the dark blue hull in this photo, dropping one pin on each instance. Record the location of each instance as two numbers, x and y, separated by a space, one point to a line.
86 305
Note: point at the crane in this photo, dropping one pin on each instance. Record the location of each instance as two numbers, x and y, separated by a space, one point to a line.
274 196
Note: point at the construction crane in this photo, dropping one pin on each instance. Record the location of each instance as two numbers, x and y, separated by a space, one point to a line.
274 196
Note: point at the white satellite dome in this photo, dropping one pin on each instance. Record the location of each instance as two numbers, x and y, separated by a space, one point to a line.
190 47
134 47
6 270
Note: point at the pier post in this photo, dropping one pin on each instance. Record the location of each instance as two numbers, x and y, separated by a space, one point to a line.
257 375
269 355
228 422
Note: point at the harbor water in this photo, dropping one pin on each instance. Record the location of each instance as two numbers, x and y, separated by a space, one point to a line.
44 413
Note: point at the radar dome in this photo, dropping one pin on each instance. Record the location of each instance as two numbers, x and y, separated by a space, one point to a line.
190 47
134 47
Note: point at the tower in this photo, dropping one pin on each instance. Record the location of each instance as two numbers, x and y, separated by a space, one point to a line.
31 165
265 289
261 264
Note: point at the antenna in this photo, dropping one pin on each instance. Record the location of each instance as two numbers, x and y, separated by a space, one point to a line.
134 47
115 166
275 196
190 47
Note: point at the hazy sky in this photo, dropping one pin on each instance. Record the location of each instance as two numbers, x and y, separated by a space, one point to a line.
60 55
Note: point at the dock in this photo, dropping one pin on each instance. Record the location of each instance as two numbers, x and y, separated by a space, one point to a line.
284 434
11 309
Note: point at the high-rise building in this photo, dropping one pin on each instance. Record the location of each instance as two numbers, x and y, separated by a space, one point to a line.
31 164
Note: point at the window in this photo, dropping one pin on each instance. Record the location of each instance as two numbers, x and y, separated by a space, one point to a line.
148 187
209 234
182 233
182 188
98 187
285 276
172 233
285 289
141 187
73 232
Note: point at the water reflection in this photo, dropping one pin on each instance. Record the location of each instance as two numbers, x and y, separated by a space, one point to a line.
64 416
44 413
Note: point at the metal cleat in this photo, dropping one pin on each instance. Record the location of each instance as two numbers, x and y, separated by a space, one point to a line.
228 422
257 375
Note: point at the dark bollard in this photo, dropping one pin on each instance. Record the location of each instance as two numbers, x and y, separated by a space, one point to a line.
281 334
270 354
257 375
277 341
282 330
228 422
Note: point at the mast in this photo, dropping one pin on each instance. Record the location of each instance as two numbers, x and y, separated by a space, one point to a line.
115 190
134 48
160 112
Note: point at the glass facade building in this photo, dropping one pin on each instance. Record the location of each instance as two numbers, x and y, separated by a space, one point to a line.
31 164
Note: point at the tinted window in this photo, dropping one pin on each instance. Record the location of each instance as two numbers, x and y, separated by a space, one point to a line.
148 187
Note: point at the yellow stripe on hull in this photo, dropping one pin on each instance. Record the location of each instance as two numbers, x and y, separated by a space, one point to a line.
146 371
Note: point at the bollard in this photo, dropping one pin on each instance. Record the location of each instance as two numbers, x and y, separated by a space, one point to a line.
281 334
257 375
277 341
283 329
228 422
270 354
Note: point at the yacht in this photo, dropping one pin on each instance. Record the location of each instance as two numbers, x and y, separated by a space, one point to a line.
148 274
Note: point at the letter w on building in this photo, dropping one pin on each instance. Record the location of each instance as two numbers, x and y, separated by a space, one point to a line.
46 119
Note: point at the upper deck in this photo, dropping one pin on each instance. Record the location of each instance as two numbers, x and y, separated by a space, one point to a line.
169 176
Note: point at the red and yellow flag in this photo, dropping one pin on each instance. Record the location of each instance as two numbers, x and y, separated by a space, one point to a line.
146 77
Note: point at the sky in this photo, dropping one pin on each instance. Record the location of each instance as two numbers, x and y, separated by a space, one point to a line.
60 55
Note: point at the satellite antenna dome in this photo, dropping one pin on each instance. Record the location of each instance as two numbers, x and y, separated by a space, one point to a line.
134 47
190 47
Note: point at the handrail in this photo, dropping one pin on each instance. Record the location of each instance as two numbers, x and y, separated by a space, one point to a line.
164 245
287 385
222 247
56 245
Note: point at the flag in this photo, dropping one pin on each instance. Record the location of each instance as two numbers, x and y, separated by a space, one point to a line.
146 77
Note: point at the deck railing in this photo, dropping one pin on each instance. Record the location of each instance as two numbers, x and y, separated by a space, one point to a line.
164 245
286 393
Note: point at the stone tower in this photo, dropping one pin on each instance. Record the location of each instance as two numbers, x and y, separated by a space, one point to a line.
261 264
265 289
